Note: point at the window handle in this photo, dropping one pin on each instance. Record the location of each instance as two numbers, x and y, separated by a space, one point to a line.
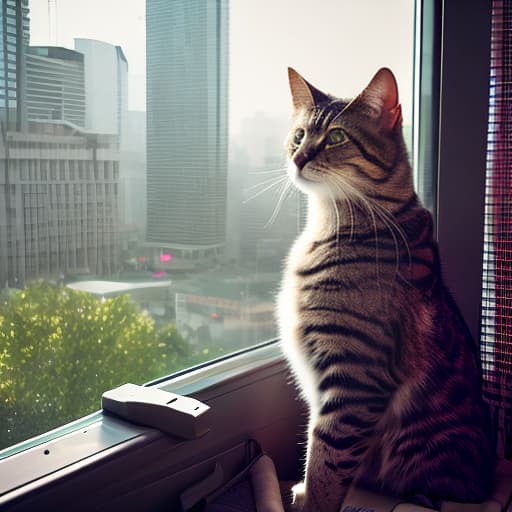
178 415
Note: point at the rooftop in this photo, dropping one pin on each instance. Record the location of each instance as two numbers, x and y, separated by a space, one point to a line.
103 288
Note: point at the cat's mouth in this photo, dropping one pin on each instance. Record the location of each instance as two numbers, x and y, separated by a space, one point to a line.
298 174
305 183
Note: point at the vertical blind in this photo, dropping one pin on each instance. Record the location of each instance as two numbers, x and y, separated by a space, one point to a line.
496 339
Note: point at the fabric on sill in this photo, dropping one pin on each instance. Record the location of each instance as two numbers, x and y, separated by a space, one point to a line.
259 492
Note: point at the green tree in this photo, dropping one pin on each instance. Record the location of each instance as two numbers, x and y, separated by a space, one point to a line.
61 349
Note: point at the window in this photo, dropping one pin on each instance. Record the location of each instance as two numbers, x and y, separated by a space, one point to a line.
184 263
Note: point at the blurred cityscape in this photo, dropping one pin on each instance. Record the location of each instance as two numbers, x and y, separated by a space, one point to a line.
167 204
164 205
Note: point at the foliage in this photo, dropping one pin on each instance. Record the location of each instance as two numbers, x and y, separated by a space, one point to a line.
60 349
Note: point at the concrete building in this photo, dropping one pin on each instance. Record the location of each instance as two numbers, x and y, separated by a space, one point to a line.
132 184
14 37
133 170
58 203
156 297
55 84
187 126
106 85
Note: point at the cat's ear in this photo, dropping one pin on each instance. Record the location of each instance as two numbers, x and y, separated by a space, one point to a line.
304 95
381 95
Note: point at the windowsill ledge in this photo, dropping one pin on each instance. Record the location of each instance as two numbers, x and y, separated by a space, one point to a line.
98 436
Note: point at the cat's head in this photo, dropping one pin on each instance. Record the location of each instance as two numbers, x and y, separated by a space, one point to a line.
349 149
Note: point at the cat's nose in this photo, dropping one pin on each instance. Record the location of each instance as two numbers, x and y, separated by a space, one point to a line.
300 159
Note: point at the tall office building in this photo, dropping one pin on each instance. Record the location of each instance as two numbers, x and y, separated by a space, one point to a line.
106 85
55 84
187 124
14 34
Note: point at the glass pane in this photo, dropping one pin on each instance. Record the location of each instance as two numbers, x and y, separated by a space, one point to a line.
426 120
140 233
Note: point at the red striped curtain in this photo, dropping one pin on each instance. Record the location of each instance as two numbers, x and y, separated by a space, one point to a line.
496 339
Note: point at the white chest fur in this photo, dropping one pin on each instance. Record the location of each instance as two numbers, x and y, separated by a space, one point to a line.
288 318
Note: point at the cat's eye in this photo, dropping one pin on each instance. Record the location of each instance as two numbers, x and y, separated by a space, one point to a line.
335 136
299 135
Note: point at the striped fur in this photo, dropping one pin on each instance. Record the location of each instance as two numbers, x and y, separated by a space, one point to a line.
378 347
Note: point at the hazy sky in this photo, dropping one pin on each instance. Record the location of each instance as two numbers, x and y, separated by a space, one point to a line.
336 44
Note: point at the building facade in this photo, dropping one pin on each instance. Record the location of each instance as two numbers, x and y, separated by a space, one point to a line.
14 37
133 171
58 203
187 124
58 181
55 84
106 85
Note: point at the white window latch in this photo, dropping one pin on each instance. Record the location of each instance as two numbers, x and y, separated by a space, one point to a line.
178 415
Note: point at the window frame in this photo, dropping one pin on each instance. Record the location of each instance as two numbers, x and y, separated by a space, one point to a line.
458 155
462 148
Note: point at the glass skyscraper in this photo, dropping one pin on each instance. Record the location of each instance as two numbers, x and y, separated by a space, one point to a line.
187 124
14 32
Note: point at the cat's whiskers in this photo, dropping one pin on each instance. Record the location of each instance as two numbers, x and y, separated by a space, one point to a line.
343 195
368 207
331 188
372 206
346 191
352 217
351 214
388 220
264 182
272 171
285 189
274 183
332 199
384 212
332 184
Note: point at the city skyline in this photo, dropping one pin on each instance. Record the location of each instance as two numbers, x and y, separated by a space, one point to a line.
324 44
75 201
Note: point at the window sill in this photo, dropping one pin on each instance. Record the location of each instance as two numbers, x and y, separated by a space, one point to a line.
105 436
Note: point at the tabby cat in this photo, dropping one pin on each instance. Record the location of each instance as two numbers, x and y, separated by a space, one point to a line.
378 347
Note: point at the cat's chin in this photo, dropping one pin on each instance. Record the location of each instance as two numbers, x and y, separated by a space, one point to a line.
310 187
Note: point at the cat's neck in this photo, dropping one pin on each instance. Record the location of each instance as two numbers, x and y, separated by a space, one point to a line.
322 219
326 218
